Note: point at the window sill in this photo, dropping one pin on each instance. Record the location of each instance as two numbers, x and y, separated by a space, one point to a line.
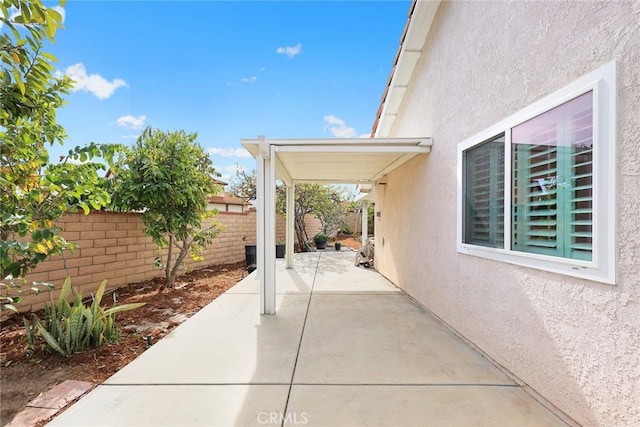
564 266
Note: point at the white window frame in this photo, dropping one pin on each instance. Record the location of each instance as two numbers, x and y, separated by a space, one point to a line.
602 266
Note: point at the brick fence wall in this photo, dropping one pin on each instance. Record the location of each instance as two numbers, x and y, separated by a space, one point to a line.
112 246
353 221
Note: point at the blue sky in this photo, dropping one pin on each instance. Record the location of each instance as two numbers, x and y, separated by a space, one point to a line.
227 70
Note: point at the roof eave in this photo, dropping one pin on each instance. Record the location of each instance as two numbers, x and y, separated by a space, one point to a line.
421 17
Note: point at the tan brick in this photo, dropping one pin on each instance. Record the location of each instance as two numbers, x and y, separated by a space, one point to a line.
49 265
125 226
117 266
37 277
143 268
90 269
81 280
127 241
118 282
91 252
115 233
70 235
138 234
71 254
125 256
70 217
105 275
136 248
114 217
99 216
62 273
89 218
135 263
104 259
82 244
78 226
116 250
93 234
103 226
146 254
32 309
100 243
79 262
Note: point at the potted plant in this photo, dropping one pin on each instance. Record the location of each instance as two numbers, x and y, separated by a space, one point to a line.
250 252
280 249
320 240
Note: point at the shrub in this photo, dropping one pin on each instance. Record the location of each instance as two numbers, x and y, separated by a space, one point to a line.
320 237
70 329
345 230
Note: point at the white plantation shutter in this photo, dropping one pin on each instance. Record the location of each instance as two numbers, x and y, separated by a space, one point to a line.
484 201
553 182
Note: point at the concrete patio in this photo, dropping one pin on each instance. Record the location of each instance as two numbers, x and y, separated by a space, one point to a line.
346 348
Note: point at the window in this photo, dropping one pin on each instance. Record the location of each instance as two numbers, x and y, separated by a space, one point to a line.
484 194
552 171
538 188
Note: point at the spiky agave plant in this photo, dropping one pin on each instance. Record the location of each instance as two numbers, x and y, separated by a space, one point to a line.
70 329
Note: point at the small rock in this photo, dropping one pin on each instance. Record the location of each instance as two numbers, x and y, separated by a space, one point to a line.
178 318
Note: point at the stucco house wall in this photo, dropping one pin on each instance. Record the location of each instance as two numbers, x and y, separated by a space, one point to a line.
574 341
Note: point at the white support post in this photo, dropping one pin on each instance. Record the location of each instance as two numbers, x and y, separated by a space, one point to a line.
270 241
260 227
291 215
266 228
365 224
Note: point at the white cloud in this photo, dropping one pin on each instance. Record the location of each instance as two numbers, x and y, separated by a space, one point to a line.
338 127
251 79
92 83
290 51
61 11
13 12
131 122
229 152
230 169
228 172
263 69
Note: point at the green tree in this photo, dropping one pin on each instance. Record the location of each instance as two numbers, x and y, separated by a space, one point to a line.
325 201
371 219
243 185
35 194
168 177
330 208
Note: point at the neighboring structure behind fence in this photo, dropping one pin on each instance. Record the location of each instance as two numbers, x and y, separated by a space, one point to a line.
113 246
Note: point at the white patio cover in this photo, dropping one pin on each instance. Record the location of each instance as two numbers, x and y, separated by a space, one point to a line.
327 161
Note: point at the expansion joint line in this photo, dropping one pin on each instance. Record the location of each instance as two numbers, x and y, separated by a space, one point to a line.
304 325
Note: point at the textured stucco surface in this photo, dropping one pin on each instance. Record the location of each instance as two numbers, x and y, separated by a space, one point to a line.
574 341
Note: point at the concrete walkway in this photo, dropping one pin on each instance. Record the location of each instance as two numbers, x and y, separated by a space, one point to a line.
346 348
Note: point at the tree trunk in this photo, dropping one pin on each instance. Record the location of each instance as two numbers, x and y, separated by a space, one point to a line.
167 267
184 250
301 233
